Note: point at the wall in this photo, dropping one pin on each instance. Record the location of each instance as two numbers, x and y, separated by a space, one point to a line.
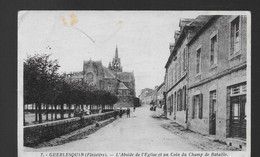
39 133
218 77
177 78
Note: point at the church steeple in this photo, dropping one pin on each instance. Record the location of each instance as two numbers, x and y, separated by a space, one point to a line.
116 64
116 55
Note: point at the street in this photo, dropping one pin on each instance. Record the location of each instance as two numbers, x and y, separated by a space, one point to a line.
140 132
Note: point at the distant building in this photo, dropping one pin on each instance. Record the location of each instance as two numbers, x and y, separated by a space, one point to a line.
160 99
146 96
111 79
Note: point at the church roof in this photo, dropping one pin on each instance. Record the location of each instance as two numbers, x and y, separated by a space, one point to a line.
76 75
108 73
125 76
122 86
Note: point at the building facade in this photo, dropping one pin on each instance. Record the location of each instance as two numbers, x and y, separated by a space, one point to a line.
177 70
217 78
111 79
146 96
160 99
205 79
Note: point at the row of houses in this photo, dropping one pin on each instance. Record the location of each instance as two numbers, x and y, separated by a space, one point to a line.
205 82
205 79
153 96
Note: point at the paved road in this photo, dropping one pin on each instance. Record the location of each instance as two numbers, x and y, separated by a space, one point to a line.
141 132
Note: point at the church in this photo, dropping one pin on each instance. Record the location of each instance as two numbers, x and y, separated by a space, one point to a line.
111 78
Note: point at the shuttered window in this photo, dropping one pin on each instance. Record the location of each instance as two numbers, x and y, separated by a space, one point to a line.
184 98
200 106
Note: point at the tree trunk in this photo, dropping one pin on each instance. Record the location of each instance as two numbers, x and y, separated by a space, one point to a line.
24 116
51 111
62 111
47 112
36 111
40 113
55 106
69 110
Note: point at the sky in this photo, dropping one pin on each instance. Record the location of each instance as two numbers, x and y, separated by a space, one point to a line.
142 38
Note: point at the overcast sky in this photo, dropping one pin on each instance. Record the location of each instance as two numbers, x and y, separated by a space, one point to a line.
142 38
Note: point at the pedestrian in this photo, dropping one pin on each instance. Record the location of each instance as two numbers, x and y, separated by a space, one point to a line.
120 112
128 112
134 108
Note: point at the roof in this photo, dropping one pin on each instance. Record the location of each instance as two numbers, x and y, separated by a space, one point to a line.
76 75
161 85
125 76
196 26
201 22
122 86
108 73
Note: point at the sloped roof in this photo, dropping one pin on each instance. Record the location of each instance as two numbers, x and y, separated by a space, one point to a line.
76 75
125 76
122 86
108 73
197 24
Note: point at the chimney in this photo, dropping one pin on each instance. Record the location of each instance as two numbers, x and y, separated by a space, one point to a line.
171 47
176 35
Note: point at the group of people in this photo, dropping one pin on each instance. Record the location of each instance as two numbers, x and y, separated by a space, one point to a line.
153 108
121 112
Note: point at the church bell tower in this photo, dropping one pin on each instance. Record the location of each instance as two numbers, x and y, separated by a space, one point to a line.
116 64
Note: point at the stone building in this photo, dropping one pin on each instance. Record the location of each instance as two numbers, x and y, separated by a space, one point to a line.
112 79
205 79
176 77
217 78
159 97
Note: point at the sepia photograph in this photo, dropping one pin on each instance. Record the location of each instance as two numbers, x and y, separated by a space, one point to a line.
134 83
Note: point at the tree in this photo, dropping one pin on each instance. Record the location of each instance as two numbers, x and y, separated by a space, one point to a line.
40 78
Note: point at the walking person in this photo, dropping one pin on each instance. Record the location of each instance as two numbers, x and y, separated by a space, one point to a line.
154 108
128 112
120 112
134 108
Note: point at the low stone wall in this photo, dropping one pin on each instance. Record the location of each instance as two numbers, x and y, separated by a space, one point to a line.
35 134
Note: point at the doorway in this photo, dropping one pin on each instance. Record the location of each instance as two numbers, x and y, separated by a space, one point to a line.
213 112
238 116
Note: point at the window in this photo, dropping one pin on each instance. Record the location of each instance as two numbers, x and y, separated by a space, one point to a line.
178 100
184 57
238 90
175 72
198 61
197 106
179 67
213 50
184 98
235 36
181 103
213 102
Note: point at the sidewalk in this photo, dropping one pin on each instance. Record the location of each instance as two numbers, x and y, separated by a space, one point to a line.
201 141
